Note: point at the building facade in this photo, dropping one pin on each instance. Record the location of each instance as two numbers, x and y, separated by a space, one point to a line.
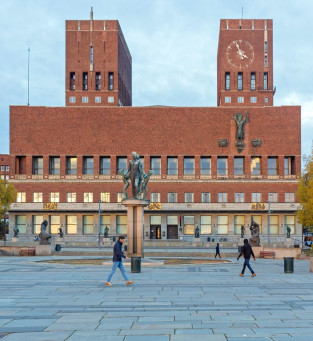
215 168
4 166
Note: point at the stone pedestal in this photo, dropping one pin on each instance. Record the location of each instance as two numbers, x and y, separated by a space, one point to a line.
15 239
289 242
241 241
135 225
106 241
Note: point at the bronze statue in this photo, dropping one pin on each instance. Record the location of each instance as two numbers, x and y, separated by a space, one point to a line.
135 174
144 188
288 231
255 234
106 232
61 234
125 179
243 231
240 122
16 232
44 235
197 232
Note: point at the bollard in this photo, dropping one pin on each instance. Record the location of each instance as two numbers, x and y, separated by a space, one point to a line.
288 265
136 264
57 247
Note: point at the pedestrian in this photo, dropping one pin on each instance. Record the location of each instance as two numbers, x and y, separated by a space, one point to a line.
217 249
118 254
246 252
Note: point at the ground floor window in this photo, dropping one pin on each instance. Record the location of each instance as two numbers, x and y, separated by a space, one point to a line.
121 224
222 224
105 221
20 223
71 224
205 224
274 225
37 221
239 220
88 226
155 227
189 224
290 221
54 224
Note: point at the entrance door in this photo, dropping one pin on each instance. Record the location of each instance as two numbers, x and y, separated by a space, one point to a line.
155 232
172 231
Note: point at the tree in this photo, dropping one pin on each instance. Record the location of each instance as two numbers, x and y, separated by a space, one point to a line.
305 194
7 196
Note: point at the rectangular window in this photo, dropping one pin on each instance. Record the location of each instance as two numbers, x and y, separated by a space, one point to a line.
21 197
239 220
105 221
273 197
239 166
222 197
71 224
205 224
7 168
54 165
71 165
188 197
110 99
189 224
20 223
222 166
91 54
265 81
111 81
72 99
227 99
72 81
274 225
85 99
205 165
289 165
37 197
54 224
240 79
272 166
155 197
289 197
105 165
2 168
265 47
85 82
155 165
88 165
37 165
265 61
222 224
172 165
253 99
239 197
98 99
105 197
189 165
54 197
240 99
20 165
120 197
70 197
252 81
121 163
171 197
88 197
256 197
206 197
98 81
227 81
255 165
290 222
121 224
265 100
88 226
37 221
172 220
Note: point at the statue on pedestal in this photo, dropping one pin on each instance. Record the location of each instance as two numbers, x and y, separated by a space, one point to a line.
243 231
197 232
288 231
255 234
16 232
106 232
44 235
61 234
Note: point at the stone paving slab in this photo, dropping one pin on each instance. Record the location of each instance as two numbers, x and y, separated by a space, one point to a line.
50 302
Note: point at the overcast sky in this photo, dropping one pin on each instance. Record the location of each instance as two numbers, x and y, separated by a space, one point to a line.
173 44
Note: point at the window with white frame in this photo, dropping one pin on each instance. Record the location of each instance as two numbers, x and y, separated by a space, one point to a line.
21 197
273 197
252 99
239 197
189 224
110 99
88 197
37 197
105 197
54 224
240 99
70 197
85 99
227 99
155 197
256 197
206 197
72 99
71 224
171 197
222 197
54 197
205 224
289 197
188 197
120 197
97 99
222 224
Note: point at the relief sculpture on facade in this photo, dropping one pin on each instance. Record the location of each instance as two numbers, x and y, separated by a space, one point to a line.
240 134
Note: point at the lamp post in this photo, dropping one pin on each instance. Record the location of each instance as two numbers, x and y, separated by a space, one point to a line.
99 239
269 225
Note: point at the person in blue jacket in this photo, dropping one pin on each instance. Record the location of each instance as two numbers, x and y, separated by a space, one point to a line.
118 255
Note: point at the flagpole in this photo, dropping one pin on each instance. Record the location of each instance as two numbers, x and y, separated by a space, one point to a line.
28 77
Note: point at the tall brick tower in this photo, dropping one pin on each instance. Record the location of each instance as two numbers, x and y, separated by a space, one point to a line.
98 64
245 63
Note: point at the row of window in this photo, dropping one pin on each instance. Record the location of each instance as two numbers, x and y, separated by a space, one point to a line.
90 224
155 165
240 81
98 83
241 99
85 99
4 168
222 197
4 177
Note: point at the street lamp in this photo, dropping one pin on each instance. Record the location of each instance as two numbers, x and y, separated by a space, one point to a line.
99 239
269 222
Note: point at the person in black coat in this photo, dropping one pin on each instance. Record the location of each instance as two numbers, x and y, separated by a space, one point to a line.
217 249
246 252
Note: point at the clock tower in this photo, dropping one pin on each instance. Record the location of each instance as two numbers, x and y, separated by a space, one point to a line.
245 63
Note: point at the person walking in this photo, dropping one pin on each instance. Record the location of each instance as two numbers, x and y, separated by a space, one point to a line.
246 252
118 254
217 250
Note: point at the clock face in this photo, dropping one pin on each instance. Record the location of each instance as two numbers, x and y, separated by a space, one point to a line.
240 54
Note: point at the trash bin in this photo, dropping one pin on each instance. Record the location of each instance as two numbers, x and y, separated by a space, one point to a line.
57 247
288 265
209 239
135 264
125 248
239 248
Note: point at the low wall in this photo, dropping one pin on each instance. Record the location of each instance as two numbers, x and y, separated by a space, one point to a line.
40 250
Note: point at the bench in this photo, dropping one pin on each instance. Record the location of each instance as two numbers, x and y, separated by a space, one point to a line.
267 254
27 252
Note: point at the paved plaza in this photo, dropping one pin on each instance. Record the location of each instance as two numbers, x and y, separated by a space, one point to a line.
45 301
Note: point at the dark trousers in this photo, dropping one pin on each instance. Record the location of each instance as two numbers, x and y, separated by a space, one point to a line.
247 263
217 253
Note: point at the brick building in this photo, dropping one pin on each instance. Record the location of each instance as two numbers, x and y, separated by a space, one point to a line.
4 166
214 167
